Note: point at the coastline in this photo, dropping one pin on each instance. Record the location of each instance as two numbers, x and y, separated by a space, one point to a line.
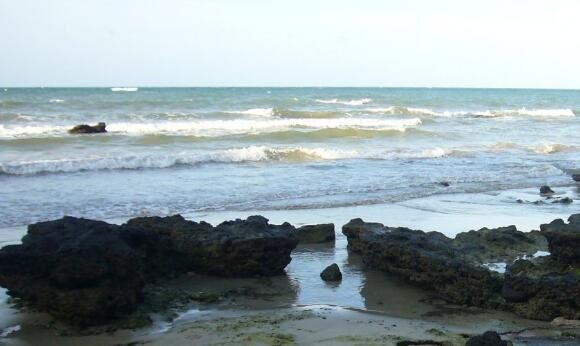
299 308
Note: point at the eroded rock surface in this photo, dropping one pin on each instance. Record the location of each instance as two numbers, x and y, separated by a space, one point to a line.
539 288
89 272
312 234
87 129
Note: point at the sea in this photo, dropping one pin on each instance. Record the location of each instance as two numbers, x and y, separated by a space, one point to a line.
188 150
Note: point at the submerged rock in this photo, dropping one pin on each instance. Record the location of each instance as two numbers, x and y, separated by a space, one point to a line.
86 129
310 234
489 338
331 273
546 190
89 272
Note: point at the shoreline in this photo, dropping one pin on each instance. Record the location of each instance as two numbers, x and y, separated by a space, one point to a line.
365 296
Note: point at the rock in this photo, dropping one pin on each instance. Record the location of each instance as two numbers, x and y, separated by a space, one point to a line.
429 260
575 218
88 272
85 129
546 190
488 338
79 270
240 248
565 200
444 183
322 233
541 288
331 273
488 245
563 240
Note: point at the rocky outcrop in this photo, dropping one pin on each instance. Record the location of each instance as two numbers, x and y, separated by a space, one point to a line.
89 272
564 239
331 273
86 129
79 270
427 259
546 190
542 288
249 247
311 234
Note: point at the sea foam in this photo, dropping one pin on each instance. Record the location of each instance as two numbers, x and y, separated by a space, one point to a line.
234 155
357 102
216 128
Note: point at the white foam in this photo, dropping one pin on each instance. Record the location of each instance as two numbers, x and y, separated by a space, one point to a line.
234 155
56 101
551 148
214 128
124 89
358 102
563 112
263 112
411 111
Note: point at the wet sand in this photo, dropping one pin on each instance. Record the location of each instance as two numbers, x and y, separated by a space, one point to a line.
367 307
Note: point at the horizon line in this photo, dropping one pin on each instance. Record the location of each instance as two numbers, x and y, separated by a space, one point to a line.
278 87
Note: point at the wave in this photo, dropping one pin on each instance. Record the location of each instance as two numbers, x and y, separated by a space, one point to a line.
264 112
358 102
236 155
124 89
56 101
287 113
549 112
216 128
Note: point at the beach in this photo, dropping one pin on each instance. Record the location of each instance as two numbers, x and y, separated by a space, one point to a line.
445 160
367 307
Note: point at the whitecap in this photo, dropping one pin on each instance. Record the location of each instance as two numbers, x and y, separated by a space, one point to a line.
56 101
358 102
124 89
263 112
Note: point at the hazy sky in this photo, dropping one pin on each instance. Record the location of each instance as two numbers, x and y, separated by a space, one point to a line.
488 43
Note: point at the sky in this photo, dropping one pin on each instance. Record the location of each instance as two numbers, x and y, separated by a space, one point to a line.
412 43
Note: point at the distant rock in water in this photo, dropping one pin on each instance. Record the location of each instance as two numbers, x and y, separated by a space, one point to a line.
89 272
488 338
331 273
444 183
86 129
546 190
576 177
321 233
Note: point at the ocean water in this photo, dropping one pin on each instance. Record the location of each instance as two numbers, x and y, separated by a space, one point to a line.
186 150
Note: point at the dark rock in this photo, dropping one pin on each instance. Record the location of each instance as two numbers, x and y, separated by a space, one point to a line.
429 260
79 270
486 245
322 233
444 183
85 129
488 338
89 272
542 288
575 218
546 190
240 248
563 240
576 177
565 200
331 273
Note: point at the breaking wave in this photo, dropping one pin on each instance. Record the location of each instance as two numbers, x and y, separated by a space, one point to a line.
216 128
397 110
237 155
358 102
